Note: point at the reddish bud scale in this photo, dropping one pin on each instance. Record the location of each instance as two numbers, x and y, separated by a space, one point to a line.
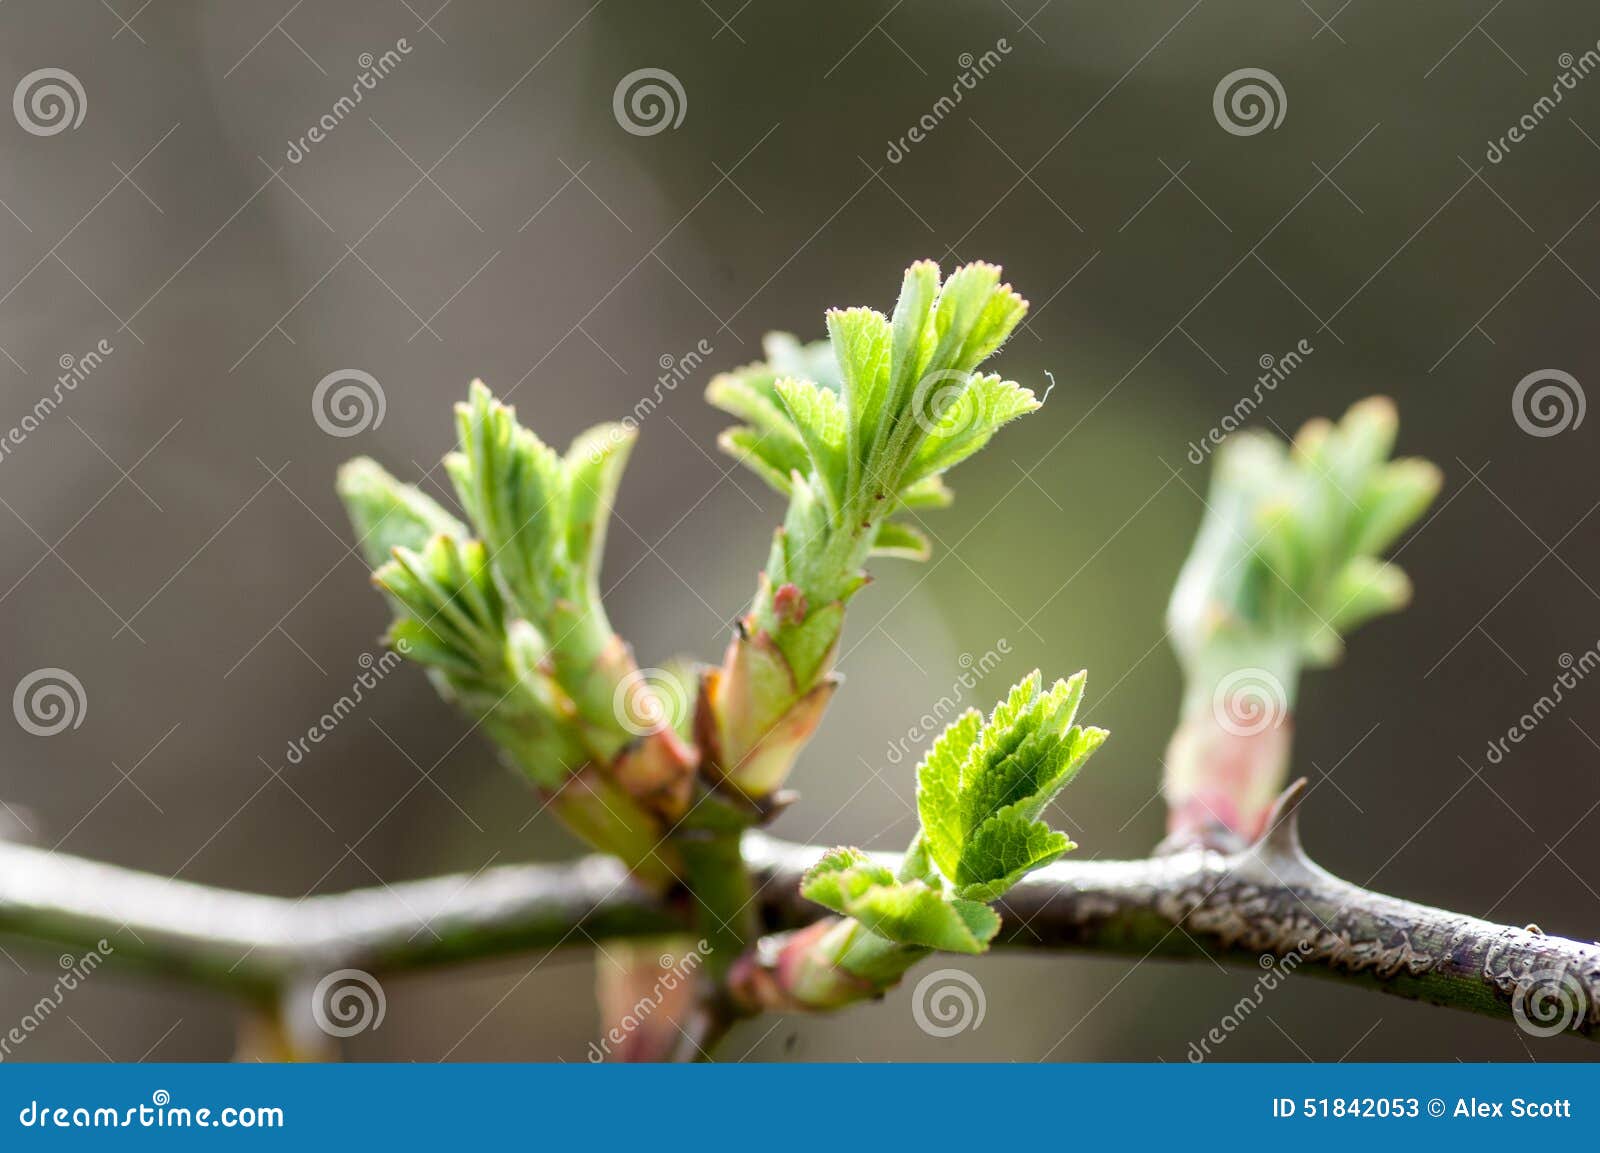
796 972
1220 783
790 604
599 811
752 722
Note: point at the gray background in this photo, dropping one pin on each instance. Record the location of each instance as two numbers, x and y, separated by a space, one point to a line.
171 537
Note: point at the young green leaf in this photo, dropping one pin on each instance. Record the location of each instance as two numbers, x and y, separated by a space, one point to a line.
911 913
982 786
516 491
387 514
980 791
901 540
454 616
902 405
819 418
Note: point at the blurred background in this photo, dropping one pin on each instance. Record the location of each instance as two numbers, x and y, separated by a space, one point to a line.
170 536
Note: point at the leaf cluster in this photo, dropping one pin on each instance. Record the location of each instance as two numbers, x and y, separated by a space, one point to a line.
505 613
542 514
1291 545
863 426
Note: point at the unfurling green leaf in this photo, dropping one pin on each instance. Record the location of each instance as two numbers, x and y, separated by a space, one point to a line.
542 515
871 417
454 616
388 515
982 786
510 624
901 540
980 791
912 913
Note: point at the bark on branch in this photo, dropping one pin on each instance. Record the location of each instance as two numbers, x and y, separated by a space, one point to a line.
1269 899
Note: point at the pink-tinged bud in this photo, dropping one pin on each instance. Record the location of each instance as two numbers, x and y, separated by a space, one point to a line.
647 994
750 725
1221 780
799 971
790 604
658 771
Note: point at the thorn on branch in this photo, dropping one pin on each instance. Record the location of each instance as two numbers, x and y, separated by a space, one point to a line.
1281 837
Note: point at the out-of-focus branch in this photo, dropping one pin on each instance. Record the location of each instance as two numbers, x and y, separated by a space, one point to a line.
1267 900
256 945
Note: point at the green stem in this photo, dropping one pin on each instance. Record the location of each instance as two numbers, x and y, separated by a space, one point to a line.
724 896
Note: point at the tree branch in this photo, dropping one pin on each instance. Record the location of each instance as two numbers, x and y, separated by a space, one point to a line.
255 945
1267 900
